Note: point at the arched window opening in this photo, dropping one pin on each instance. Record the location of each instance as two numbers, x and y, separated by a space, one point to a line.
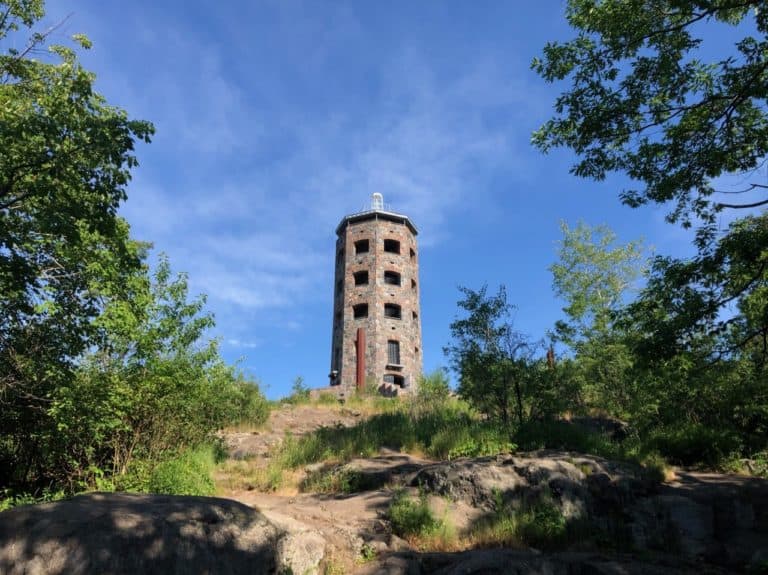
393 379
392 278
392 310
392 246
361 278
361 247
360 310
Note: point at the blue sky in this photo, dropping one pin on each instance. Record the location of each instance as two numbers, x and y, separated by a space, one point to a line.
275 119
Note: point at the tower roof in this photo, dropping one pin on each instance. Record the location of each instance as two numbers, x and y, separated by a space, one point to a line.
376 215
377 211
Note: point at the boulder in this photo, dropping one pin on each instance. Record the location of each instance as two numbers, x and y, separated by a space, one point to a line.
122 533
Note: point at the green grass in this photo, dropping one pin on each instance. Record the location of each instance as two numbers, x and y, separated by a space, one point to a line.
566 436
334 480
452 431
190 473
10 499
411 517
539 523
326 398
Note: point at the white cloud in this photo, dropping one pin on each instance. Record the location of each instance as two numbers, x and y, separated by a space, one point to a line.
259 235
244 344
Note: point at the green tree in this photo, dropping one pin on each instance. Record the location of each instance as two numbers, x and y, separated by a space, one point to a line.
646 100
592 274
65 160
153 387
493 360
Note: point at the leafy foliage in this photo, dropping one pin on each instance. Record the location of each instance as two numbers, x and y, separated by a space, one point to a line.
410 517
65 163
491 358
643 101
104 370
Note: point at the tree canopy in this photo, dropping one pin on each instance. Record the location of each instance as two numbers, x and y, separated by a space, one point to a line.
102 365
647 99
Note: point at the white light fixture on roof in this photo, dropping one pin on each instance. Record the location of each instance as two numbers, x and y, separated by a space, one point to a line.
377 201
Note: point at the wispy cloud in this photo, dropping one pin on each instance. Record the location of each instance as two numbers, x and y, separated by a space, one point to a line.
243 344
259 236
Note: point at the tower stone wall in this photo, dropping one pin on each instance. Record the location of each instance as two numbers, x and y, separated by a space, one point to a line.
377 265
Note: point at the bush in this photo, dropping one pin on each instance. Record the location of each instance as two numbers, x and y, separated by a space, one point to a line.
189 473
334 480
567 436
692 444
470 439
542 525
539 524
432 390
249 406
411 517
9 499
300 393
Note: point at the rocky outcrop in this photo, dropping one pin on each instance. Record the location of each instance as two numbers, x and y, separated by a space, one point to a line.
130 533
527 562
720 519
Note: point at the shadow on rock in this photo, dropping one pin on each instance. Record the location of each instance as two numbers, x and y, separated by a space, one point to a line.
130 533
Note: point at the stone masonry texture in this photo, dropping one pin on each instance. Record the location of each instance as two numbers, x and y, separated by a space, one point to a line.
376 226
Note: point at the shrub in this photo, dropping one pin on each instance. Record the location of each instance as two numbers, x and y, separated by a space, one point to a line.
691 444
300 393
249 406
411 517
470 439
564 435
189 473
9 499
432 391
334 480
539 524
542 525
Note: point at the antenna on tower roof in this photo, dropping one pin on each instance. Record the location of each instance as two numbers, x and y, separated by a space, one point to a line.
377 201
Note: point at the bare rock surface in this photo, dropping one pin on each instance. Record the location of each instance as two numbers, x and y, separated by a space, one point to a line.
529 562
718 518
122 533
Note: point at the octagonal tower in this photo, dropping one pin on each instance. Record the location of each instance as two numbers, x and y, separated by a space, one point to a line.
376 316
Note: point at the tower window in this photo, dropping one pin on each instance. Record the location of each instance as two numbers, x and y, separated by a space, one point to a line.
392 246
392 310
398 380
414 315
393 352
361 278
413 254
360 310
361 247
413 284
392 278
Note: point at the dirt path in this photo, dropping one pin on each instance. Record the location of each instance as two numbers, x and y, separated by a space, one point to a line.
346 522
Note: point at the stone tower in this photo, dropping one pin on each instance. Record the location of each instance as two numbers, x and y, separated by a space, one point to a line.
376 319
